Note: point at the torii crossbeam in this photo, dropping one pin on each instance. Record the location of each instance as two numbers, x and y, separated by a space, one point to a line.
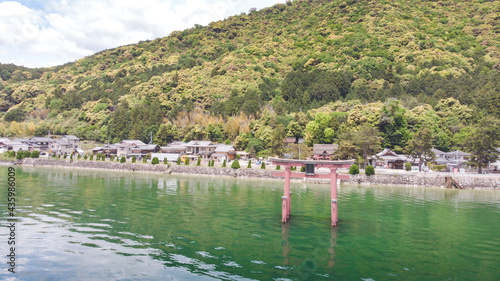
310 167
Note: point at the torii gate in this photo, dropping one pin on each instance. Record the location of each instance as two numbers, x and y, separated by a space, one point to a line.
310 165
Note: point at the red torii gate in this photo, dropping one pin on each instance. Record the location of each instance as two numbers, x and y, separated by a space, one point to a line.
310 166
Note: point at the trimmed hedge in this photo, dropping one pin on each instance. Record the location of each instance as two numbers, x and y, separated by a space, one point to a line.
354 170
370 171
235 164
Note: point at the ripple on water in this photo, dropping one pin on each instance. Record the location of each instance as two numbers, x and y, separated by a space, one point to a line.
206 254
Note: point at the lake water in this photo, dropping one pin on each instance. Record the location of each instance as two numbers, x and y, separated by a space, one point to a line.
87 225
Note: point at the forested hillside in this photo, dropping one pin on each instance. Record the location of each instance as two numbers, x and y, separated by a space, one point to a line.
318 69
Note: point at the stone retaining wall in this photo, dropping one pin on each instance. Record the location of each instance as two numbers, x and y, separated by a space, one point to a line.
216 171
435 180
93 165
482 181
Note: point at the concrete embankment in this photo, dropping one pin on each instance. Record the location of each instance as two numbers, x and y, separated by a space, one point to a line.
429 179
386 178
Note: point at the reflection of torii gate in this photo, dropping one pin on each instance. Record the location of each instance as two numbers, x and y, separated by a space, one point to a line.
310 165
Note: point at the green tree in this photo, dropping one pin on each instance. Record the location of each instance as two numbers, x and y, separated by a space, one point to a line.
420 147
263 165
241 141
347 148
35 154
354 170
199 162
276 144
133 159
368 139
393 125
224 164
294 130
120 123
319 130
15 114
249 164
123 159
178 161
166 134
408 166
155 161
235 164
370 171
483 142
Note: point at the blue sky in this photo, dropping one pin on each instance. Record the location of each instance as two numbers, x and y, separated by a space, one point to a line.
52 32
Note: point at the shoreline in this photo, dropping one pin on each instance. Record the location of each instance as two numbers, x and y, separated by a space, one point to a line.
382 176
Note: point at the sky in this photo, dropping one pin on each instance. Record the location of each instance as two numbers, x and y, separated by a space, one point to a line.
44 33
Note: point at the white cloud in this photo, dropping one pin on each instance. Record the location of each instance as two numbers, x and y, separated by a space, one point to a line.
54 32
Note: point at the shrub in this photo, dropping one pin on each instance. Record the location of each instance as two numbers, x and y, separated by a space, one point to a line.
91 157
249 164
303 169
178 161
439 168
408 166
263 165
145 159
224 164
370 171
85 157
199 162
79 157
123 160
133 159
235 164
19 155
155 161
26 154
112 158
187 161
354 170
35 154
278 167
103 157
165 161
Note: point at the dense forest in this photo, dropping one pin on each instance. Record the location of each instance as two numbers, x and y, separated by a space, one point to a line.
319 69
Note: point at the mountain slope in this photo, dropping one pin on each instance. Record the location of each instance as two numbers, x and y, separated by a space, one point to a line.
292 57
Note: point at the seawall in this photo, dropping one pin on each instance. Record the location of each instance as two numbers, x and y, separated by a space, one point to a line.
405 179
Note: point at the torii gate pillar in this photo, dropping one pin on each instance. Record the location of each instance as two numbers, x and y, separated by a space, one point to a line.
286 199
333 184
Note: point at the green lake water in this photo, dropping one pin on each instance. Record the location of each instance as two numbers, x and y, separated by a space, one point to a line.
88 225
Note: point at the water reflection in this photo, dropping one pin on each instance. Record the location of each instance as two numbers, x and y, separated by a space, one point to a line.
308 265
229 229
